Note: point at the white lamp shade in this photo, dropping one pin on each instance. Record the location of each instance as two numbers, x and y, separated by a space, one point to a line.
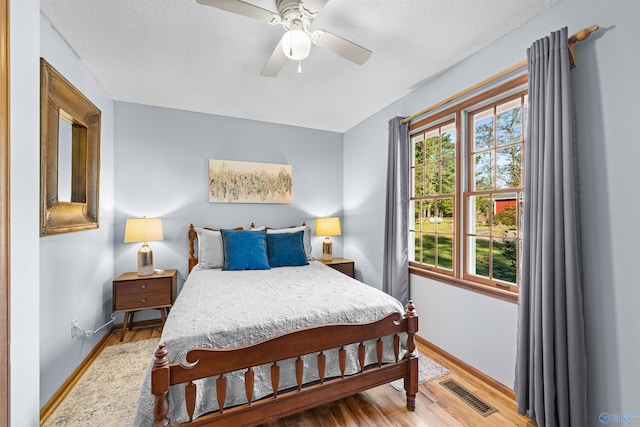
328 226
296 44
143 230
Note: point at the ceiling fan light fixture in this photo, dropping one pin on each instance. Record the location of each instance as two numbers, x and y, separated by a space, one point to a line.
296 44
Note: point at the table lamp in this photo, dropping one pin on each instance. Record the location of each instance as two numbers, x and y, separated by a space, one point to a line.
144 230
328 227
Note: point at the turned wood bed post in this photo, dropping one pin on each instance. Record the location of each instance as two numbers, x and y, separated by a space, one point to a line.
192 237
411 380
160 387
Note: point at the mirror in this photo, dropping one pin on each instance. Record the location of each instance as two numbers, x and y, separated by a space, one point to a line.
65 130
69 155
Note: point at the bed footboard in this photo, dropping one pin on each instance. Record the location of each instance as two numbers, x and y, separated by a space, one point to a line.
293 345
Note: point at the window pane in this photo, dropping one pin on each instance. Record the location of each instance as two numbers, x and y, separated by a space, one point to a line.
432 179
428 212
509 122
449 142
418 150
418 181
429 249
509 160
504 260
480 221
504 215
417 247
445 252
479 261
433 144
416 215
449 176
445 216
483 171
483 130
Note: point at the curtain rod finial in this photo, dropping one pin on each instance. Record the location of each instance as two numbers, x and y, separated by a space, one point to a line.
578 37
583 34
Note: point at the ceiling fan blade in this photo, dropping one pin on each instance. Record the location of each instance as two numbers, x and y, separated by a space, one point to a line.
275 62
245 9
313 6
340 46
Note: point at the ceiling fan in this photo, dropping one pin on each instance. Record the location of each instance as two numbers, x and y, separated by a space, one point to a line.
296 17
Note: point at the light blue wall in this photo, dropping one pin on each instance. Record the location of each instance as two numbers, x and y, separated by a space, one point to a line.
162 170
76 269
365 182
480 330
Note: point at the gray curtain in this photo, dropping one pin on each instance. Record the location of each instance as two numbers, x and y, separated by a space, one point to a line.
395 273
551 380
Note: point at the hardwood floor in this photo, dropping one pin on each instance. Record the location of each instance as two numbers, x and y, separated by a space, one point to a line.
384 406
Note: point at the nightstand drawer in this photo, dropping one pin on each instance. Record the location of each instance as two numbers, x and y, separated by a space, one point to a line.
343 265
142 293
346 268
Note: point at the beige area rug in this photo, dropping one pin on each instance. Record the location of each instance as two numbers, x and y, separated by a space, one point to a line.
427 370
94 400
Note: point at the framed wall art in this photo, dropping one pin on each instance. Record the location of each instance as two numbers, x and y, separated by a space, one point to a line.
249 182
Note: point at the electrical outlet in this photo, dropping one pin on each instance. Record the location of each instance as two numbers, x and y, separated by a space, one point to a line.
74 328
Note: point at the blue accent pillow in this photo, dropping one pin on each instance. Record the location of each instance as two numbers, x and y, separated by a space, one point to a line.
244 250
286 249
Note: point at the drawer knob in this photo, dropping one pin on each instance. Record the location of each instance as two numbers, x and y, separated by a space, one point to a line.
143 300
144 286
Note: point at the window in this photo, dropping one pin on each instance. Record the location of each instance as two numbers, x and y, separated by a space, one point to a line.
466 183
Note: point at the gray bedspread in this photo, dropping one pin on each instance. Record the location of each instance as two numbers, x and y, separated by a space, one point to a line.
225 309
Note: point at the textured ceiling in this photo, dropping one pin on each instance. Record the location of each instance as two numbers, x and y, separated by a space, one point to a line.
181 54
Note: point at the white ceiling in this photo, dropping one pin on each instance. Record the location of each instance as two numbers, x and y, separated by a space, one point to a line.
181 54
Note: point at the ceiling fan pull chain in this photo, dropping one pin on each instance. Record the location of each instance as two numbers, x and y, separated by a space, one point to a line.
291 43
299 66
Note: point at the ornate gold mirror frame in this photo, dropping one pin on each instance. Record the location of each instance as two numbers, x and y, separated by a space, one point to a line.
60 100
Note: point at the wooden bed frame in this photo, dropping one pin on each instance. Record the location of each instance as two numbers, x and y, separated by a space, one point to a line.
308 341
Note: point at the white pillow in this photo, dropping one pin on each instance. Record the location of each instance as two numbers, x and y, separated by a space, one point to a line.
210 252
306 238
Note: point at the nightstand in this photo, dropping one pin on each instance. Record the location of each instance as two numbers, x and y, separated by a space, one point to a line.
133 293
343 265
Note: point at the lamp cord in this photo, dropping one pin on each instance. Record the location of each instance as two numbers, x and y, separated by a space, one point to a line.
89 334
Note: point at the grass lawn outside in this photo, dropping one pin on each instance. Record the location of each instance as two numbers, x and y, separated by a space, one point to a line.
503 268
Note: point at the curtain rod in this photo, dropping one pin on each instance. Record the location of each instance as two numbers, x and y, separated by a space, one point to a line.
579 36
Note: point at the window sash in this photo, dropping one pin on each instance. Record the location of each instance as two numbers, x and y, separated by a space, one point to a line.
434 207
501 245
